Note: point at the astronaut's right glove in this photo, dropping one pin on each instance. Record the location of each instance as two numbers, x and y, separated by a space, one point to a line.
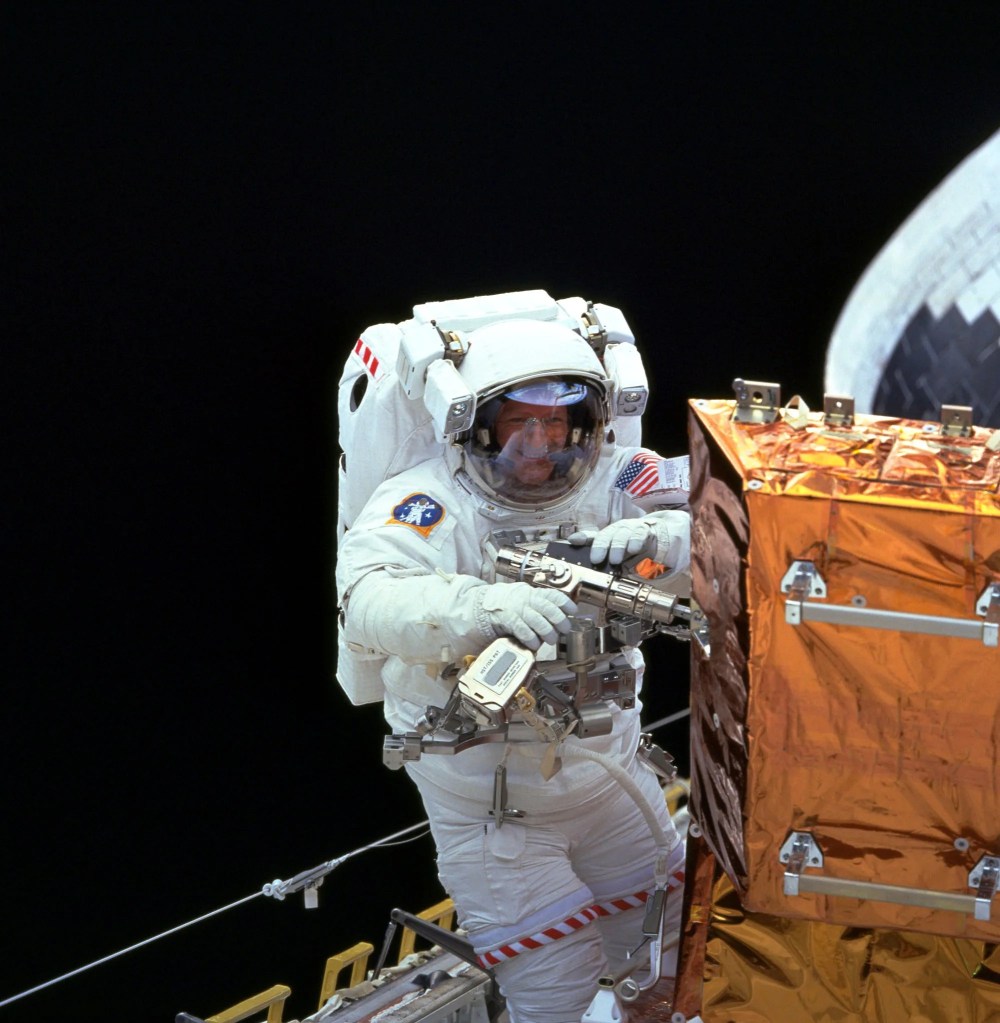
664 536
532 616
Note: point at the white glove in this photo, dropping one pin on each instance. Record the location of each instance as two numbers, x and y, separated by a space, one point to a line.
430 618
664 536
532 616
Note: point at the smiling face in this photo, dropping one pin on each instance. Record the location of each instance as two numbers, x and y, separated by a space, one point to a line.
527 434
535 441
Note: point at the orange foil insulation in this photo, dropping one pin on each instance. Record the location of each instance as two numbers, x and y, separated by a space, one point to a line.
854 700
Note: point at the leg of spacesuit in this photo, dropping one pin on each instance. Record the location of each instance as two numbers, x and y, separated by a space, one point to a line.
621 931
538 896
527 914
554 983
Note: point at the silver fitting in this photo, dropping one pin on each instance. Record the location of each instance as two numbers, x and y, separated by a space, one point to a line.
799 851
756 402
838 410
984 877
398 750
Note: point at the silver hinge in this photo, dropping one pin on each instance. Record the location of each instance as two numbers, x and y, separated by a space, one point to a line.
805 586
800 851
756 402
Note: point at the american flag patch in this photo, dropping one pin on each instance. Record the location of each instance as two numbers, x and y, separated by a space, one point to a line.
641 475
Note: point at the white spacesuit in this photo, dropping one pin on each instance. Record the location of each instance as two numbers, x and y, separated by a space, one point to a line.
551 894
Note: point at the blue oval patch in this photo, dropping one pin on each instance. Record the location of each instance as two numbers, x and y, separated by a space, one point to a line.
419 512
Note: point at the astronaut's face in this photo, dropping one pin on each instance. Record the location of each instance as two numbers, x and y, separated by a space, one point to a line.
527 434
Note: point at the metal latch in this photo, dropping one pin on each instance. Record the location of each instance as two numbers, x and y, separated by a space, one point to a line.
595 331
801 851
802 580
657 758
988 607
984 877
455 346
838 410
756 402
805 586
700 630
500 810
956 420
399 749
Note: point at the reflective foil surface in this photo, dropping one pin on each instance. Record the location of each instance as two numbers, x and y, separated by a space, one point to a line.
743 967
880 743
766 968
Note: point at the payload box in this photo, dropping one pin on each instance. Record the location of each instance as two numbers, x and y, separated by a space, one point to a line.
845 734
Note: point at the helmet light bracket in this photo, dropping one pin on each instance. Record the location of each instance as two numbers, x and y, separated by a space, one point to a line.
594 330
448 400
629 386
419 348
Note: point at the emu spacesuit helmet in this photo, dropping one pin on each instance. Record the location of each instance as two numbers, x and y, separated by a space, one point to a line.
541 413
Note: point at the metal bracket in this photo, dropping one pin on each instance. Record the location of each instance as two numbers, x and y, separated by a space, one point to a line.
802 581
838 410
657 758
399 749
595 332
405 747
956 420
501 811
455 347
756 402
984 877
700 631
988 606
799 851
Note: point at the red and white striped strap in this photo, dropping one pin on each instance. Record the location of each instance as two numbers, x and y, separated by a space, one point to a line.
572 923
367 356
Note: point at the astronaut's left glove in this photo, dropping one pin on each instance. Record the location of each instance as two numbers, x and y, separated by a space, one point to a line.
663 536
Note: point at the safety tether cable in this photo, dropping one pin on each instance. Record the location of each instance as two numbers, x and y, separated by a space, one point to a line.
277 889
295 884
669 720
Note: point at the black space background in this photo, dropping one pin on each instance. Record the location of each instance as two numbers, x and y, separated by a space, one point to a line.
201 210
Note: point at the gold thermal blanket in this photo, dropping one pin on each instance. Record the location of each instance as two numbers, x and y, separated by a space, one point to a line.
880 743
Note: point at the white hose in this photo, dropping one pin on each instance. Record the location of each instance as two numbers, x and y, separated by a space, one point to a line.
627 782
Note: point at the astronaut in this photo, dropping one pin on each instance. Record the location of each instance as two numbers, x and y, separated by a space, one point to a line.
552 893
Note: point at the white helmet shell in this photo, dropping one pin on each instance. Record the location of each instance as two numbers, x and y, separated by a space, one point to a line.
504 353
503 358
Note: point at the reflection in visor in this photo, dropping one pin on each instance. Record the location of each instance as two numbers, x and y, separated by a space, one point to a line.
534 444
549 392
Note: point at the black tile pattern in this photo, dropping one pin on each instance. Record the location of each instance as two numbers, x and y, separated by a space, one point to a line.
945 361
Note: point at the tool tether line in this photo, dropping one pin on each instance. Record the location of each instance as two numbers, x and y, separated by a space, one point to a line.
239 902
197 920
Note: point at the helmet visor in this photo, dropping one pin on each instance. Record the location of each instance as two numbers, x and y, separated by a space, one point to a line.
535 442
